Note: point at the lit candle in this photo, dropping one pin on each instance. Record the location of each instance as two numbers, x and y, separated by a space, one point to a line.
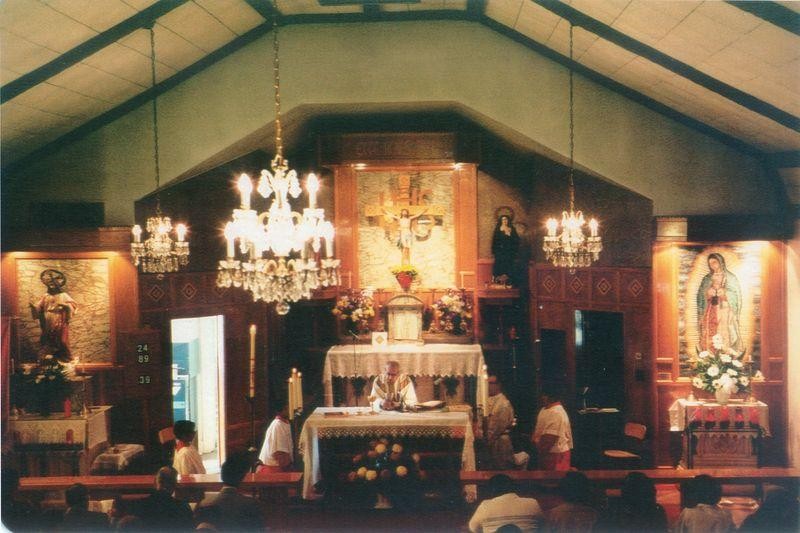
593 227
245 187
180 230
312 186
485 390
252 360
137 233
229 239
328 232
291 398
551 227
300 390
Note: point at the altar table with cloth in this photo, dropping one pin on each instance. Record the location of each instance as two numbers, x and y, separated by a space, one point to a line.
362 422
364 360
720 435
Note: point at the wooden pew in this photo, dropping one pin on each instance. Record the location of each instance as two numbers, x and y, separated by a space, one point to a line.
613 479
103 486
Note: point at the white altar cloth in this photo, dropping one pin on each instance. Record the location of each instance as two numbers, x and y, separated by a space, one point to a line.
681 411
364 360
361 422
35 429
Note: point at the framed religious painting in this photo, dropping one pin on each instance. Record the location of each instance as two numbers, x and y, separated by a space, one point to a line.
719 303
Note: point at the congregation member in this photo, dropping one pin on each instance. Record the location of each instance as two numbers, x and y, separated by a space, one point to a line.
499 422
161 511
18 514
187 459
78 517
552 434
636 509
576 514
392 390
277 451
701 494
228 510
505 509
780 512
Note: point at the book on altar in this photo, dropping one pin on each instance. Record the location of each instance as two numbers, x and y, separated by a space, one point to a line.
432 404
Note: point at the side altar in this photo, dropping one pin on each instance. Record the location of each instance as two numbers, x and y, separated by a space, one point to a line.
422 361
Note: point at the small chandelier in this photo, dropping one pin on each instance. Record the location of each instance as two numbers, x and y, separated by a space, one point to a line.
266 240
570 247
158 253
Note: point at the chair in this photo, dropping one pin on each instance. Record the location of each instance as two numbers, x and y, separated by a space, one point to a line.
166 437
631 455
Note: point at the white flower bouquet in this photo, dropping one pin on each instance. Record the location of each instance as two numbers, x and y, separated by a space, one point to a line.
715 369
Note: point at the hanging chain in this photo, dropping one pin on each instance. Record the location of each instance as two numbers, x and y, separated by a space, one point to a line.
155 117
571 127
277 75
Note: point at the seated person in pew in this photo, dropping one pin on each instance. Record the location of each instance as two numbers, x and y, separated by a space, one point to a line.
17 513
576 514
277 452
228 510
161 511
780 512
187 459
700 496
78 517
552 435
391 391
636 509
505 508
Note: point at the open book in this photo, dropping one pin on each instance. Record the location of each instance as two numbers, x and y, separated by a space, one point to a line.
432 404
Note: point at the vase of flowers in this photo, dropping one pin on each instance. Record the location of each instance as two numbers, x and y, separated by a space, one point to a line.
453 312
405 275
386 474
720 372
355 310
43 387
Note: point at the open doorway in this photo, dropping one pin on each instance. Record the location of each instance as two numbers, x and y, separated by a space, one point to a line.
599 359
198 365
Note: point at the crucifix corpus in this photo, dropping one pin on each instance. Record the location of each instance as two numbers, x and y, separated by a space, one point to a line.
404 217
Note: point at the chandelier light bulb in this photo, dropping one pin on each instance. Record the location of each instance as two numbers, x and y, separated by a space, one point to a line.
137 233
245 187
312 186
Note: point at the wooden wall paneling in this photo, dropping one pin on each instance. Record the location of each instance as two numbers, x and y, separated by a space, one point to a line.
605 286
773 311
465 218
578 286
665 311
345 198
549 284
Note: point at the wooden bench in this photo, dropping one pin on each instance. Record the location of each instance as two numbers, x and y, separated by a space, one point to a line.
613 479
105 486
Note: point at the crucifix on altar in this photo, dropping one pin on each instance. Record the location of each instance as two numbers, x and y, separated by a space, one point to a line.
405 217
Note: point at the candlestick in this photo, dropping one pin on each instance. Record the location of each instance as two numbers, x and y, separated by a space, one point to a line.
180 231
229 239
300 390
245 187
291 398
252 360
593 227
312 185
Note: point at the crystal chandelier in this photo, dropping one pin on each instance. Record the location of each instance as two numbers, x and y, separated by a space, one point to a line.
567 245
266 240
158 253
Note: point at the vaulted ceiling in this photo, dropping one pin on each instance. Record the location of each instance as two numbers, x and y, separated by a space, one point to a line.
729 69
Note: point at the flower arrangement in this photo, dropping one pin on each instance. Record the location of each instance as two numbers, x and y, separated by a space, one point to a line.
357 308
453 312
409 270
450 384
43 387
719 370
386 468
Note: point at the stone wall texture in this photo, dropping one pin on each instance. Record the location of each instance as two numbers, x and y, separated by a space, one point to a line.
88 284
434 256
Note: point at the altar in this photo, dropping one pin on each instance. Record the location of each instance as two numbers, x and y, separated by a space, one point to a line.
717 435
367 361
362 422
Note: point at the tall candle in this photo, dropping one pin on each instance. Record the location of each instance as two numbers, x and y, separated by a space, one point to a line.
300 390
252 360
291 398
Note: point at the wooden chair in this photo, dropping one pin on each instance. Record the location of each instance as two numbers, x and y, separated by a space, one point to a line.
631 455
166 437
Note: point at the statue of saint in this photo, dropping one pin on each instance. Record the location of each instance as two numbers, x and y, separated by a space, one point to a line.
505 242
54 310
406 234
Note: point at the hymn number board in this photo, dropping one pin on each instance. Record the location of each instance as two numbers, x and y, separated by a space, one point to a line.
141 356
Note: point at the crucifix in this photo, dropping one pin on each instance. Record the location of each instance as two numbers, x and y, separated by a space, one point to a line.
405 216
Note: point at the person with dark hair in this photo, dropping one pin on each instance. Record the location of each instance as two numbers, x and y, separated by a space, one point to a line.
637 509
576 514
705 515
505 509
161 511
505 242
277 452
499 417
78 517
187 459
552 435
17 513
780 512
229 510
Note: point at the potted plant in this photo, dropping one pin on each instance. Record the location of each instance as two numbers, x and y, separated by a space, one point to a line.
405 275
44 387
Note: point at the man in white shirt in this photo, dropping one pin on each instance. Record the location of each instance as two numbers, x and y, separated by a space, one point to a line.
187 459
552 435
391 391
505 508
277 452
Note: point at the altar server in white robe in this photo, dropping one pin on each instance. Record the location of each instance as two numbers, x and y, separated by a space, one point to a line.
277 451
392 391
499 421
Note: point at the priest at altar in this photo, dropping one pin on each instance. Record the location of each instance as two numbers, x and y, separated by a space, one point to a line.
392 390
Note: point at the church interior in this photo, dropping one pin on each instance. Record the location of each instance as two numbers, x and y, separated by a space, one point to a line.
236 212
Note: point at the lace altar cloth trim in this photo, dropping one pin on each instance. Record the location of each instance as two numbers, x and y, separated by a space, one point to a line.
682 411
31 429
443 432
